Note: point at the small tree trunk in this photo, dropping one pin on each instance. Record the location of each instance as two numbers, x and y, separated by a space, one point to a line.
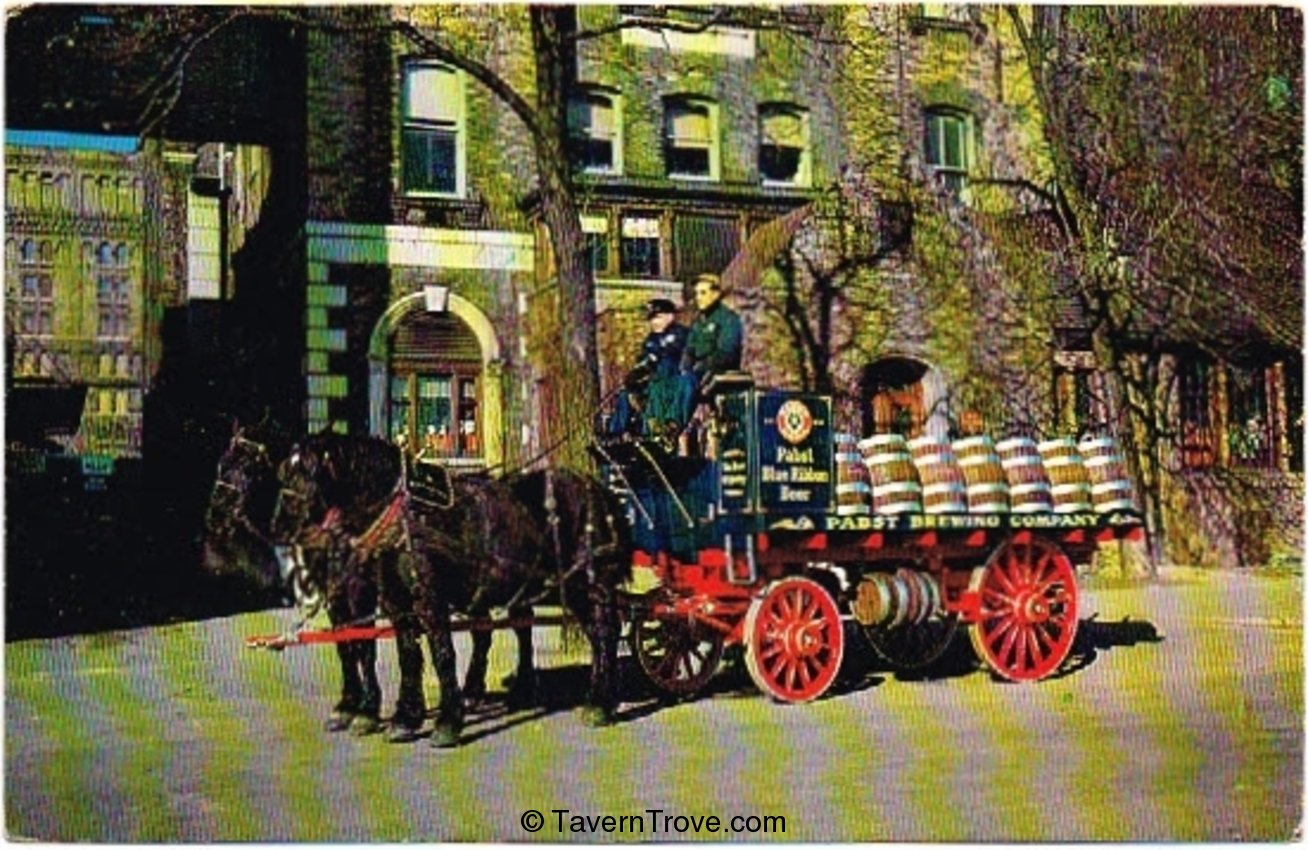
574 368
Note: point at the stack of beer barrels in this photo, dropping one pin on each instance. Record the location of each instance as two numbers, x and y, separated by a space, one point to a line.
887 474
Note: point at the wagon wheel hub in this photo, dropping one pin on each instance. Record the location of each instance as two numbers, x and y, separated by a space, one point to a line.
801 639
1028 615
1031 607
794 640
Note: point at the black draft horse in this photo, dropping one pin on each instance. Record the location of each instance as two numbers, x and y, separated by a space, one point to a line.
465 544
239 537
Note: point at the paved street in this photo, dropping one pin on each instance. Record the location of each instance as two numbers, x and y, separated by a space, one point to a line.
1182 720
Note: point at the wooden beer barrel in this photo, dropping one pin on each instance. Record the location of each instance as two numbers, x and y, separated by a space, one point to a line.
1031 498
927 446
1073 498
853 483
897 497
1023 467
987 488
944 497
888 461
1063 462
939 469
1058 447
1110 488
1015 447
978 461
987 498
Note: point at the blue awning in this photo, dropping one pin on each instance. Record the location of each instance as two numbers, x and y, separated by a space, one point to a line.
64 140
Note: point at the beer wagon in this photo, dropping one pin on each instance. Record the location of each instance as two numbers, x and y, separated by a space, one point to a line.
768 541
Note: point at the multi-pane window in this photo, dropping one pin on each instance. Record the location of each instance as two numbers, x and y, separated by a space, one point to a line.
433 129
703 243
35 294
113 308
1079 405
948 146
112 294
1198 437
438 412
595 131
690 138
1249 425
36 305
596 232
639 248
783 144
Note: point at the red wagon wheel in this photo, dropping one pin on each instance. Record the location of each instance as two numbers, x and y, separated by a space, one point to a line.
678 656
1028 613
794 640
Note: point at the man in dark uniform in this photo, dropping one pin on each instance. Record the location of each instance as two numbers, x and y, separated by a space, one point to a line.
652 387
716 336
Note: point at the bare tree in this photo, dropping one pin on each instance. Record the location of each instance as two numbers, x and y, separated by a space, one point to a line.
1175 140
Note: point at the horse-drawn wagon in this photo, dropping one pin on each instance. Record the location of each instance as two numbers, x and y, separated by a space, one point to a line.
776 537
776 534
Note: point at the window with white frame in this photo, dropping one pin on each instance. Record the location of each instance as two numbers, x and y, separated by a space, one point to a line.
639 248
783 155
690 137
949 146
433 132
595 229
595 131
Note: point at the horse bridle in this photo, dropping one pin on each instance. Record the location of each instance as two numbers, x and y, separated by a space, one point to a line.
237 512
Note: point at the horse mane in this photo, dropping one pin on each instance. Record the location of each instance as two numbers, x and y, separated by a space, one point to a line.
364 472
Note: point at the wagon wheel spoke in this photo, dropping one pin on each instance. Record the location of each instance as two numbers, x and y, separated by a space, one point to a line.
1041 575
677 656
794 641
1029 608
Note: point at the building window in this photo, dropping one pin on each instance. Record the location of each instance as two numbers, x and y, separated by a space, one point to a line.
112 308
1198 438
598 244
948 147
112 302
783 155
36 305
1078 401
702 243
1249 425
437 412
433 130
690 138
639 248
595 131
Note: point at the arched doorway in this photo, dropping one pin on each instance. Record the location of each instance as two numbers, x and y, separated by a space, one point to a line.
435 380
902 395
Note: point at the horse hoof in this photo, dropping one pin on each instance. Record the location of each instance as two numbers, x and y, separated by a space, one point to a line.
339 721
361 727
444 737
401 734
596 717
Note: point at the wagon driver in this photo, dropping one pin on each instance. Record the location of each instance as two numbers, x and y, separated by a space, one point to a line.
653 386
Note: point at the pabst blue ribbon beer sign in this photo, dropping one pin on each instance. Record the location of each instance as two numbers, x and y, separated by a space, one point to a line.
795 453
